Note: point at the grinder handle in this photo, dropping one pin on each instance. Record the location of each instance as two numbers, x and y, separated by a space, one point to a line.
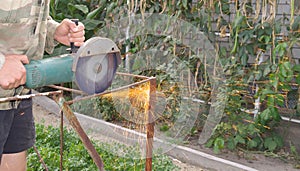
73 47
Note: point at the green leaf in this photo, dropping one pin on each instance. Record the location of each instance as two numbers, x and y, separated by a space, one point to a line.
278 140
251 78
93 14
267 70
223 51
266 92
110 7
287 65
296 24
209 143
271 100
184 3
273 80
281 48
244 59
230 144
252 129
275 114
218 144
91 24
265 39
71 7
252 144
290 76
298 78
282 70
279 99
250 49
258 75
265 115
296 68
239 139
82 8
270 144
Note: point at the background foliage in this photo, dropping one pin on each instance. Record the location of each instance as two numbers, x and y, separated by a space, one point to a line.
253 32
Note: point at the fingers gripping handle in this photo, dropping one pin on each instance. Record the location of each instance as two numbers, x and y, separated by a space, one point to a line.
73 47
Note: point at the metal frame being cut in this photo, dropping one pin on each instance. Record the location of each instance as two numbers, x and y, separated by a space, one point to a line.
67 111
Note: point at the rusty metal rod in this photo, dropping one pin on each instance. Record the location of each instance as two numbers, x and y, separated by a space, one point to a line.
22 97
77 127
111 91
83 93
40 157
61 167
61 140
67 89
132 75
149 111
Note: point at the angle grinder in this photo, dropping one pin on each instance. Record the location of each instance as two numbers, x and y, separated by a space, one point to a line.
92 67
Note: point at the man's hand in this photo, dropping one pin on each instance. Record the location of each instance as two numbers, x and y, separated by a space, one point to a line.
67 32
13 73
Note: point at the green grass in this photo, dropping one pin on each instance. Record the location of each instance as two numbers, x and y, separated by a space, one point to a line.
76 158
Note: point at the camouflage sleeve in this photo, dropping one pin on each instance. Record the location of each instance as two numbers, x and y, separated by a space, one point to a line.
50 41
2 60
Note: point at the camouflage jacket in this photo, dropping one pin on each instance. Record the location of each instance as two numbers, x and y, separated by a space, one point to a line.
25 28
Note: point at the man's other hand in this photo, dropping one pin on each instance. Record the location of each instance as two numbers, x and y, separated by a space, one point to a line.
67 32
13 73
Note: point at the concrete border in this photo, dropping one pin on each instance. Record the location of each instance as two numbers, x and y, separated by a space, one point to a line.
181 153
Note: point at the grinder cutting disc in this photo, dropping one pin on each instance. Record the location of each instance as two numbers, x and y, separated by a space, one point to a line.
95 65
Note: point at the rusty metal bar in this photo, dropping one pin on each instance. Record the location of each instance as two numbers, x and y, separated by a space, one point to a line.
119 73
40 157
132 75
22 97
149 111
67 89
61 140
77 127
111 91
61 151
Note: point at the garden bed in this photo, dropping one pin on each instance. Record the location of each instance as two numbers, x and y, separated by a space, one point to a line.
48 128
200 156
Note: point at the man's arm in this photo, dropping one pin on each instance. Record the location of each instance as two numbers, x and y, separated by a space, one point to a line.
67 32
64 32
50 42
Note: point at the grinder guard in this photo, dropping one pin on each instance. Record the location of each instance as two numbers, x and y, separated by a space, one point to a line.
95 65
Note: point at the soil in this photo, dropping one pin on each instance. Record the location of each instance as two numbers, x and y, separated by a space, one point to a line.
47 118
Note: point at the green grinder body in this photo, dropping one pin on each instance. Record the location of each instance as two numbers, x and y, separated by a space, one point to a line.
49 71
